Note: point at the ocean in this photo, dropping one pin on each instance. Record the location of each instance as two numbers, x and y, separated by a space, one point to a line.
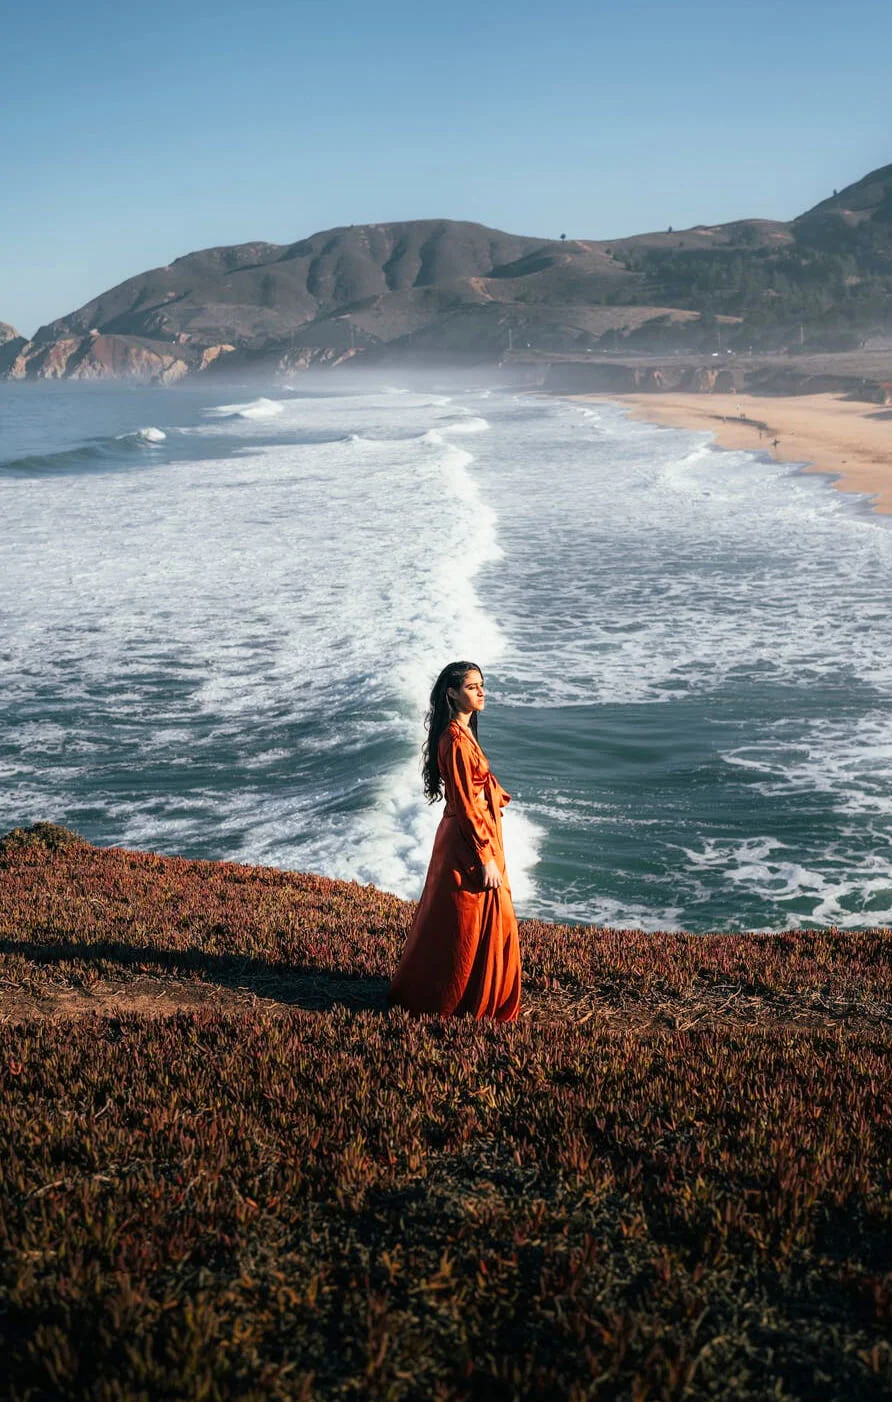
221 612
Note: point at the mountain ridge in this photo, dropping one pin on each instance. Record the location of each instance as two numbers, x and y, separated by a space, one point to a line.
439 288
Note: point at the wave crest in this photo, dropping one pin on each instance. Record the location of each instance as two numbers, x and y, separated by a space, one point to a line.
254 409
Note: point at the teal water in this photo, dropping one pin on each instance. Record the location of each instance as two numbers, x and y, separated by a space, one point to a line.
221 611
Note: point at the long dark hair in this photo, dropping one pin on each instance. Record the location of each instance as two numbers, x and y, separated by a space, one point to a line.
436 721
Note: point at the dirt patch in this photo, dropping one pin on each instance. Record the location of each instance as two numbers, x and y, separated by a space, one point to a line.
152 997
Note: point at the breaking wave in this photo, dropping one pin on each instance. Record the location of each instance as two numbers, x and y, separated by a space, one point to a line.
272 622
145 435
254 409
97 453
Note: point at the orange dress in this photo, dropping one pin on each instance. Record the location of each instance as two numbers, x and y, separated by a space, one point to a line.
462 955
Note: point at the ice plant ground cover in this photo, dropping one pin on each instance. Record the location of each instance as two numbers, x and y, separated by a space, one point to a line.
228 1171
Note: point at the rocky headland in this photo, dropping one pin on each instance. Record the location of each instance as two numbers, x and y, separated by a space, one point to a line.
11 343
441 291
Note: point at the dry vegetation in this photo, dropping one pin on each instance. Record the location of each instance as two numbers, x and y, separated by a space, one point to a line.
234 1173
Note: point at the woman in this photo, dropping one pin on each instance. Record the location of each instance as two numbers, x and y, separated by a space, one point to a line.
462 956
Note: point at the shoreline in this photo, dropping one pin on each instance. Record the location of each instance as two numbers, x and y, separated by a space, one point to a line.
848 441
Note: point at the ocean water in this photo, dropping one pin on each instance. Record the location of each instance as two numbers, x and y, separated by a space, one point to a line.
221 613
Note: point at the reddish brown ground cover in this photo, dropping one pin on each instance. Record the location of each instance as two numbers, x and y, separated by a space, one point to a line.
228 1171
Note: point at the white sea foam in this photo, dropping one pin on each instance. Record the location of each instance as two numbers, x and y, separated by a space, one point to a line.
146 435
684 567
289 581
607 911
841 891
391 842
468 425
851 762
255 409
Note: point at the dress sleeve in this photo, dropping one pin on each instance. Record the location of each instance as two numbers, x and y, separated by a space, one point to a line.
459 780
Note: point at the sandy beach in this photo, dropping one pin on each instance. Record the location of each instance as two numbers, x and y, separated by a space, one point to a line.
846 438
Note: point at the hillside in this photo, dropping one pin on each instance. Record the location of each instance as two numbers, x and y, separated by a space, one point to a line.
444 289
229 1171
435 284
12 342
867 204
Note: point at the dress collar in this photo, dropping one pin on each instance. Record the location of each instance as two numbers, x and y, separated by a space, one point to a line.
466 730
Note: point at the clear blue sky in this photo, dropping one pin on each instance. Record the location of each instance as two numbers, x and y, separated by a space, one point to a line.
135 133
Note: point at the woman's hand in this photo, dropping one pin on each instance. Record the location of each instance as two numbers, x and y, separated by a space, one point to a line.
492 877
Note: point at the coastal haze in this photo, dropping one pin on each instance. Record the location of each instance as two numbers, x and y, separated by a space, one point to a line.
223 612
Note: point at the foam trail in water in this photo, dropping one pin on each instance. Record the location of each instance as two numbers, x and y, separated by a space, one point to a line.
760 866
853 764
295 595
391 845
254 409
687 573
682 579
469 425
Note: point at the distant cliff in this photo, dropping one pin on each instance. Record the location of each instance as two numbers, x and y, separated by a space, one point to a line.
440 288
11 343
856 375
99 357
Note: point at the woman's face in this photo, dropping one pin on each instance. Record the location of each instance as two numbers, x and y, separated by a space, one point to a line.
470 696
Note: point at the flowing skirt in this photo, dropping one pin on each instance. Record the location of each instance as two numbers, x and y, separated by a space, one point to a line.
462 956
